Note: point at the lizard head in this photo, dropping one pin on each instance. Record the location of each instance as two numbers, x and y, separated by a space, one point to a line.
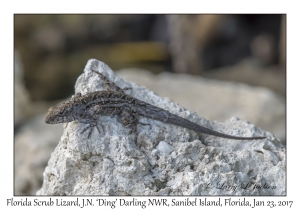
60 113
66 111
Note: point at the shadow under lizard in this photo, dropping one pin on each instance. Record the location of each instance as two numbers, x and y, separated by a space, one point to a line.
114 101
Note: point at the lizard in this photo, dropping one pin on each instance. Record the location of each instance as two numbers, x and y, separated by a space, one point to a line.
89 107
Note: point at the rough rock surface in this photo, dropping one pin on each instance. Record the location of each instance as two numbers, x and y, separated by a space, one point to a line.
167 159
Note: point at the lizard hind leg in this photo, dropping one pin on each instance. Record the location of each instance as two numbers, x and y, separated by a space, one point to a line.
129 120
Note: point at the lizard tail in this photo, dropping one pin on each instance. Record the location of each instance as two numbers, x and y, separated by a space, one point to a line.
175 120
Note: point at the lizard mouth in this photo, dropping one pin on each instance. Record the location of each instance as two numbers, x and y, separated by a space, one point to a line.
51 119
48 120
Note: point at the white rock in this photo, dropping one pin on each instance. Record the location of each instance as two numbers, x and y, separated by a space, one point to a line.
164 147
111 163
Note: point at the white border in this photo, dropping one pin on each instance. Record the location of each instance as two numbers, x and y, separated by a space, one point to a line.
8 8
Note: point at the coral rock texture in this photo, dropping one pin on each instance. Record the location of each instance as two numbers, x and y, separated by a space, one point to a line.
162 159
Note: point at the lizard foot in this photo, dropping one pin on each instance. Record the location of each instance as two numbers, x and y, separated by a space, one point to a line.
90 127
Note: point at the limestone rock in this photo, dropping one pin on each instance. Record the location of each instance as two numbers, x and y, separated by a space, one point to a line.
166 159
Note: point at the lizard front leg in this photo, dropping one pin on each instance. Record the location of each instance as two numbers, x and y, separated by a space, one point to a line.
91 118
91 125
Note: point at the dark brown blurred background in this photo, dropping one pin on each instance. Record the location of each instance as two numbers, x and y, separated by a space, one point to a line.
55 48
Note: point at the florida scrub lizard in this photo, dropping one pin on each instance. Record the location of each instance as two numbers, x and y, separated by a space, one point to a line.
114 101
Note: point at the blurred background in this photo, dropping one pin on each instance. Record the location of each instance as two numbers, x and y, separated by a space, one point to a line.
219 66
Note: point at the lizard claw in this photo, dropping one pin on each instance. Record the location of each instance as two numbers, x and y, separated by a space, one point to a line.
91 127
